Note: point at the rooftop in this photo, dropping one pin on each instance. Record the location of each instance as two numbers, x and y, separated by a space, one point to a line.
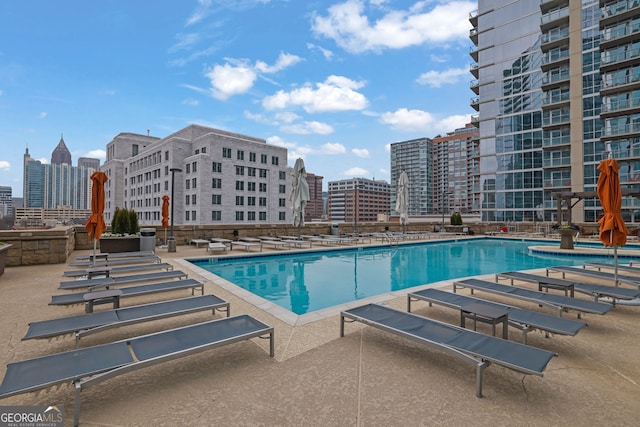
369 377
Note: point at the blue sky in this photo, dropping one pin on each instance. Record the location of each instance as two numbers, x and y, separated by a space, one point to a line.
333 81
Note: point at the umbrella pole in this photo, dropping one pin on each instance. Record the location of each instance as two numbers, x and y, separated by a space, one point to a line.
94 252
615 262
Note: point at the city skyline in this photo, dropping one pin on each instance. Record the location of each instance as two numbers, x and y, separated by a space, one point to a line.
335 82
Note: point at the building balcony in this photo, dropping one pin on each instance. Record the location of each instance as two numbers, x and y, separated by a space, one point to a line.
546 5
556 163
474 69
556 120
475 103
475 119
626 130
473 17
473 52
550 184
554 18
554 39
556 142
617 12
475 86
473 35
554 59
556 101
617 84
615 107
617 58
555 79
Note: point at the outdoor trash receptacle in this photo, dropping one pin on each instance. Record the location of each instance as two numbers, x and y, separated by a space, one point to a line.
335 230
147 239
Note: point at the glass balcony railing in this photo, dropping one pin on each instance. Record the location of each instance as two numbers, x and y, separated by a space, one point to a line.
554 163
618 55
557 183
611 80
612 130
620 104
554 15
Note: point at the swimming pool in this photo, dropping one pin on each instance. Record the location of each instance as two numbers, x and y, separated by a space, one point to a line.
304 282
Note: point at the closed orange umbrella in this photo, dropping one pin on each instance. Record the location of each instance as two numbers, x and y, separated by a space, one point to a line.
95 225
165 211
613 230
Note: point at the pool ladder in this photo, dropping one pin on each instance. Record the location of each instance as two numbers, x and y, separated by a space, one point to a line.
392 239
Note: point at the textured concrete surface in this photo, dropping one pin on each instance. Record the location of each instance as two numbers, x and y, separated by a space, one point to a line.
367 378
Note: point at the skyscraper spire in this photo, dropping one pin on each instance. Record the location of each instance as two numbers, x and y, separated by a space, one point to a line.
61 154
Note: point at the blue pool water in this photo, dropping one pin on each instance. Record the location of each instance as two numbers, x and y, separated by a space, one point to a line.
306 282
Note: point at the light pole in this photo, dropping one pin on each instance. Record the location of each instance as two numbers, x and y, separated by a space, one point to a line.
171 243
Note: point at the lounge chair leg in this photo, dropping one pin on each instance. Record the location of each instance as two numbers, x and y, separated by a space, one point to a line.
76 405
480 367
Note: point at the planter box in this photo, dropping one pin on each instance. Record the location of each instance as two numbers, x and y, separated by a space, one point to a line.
4 252
119 244
566 238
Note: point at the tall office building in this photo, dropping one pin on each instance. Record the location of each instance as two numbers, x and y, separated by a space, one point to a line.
6 202
415 157
50 186
315 205
88 162
218 177
556 81
358 200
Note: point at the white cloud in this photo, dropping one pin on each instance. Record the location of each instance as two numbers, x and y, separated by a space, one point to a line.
350 28
228 80
43 160
387 148
190 102
332 148
97 154
276 140
306 128
356 172
422 121
438 78
287 117
260 118
237 76
42 114
336 93
328 55
185 41
361 152
201 12
5 166
285 60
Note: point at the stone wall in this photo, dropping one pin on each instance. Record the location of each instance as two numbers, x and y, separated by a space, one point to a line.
30 247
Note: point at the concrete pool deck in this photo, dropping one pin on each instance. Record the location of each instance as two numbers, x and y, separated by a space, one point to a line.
367 378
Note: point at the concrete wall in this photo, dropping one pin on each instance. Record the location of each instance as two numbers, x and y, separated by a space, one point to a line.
30 247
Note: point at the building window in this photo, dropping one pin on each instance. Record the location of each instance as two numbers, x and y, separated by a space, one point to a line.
239 216
282 202
166 186
188 168
193 200
166 156
216 167
187 184
262 201
226 152
263 187
251 171
240 155
193 182
240 185
251 216
239 170
216 199
194 167
239 200
282 175
275 160
166 170
187 199
203 150
263 173
186 215
251 186
134 150
193 215
281 216
216 215
252 157
282 188
216 183
251 201
263 158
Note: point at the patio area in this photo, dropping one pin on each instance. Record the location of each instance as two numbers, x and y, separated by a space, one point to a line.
367 378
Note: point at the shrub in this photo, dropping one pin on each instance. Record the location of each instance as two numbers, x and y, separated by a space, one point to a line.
456 218
124 221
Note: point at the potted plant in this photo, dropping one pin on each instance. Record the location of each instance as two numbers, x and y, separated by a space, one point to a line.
567 232
4 252
124 235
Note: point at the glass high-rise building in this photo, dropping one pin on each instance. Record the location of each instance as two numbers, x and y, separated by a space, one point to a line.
557 87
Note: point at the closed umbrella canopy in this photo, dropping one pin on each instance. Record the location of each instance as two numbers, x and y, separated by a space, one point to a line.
165 211
299 195
402 198
95 225
613 230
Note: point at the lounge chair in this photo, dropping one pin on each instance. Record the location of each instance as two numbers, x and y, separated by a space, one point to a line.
596 291
117 261
215 246
114 255
118 270
276 244
559 302
630 280
478 349
246 245
92 365
88 324
132 291
106 282
602 265
524 320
